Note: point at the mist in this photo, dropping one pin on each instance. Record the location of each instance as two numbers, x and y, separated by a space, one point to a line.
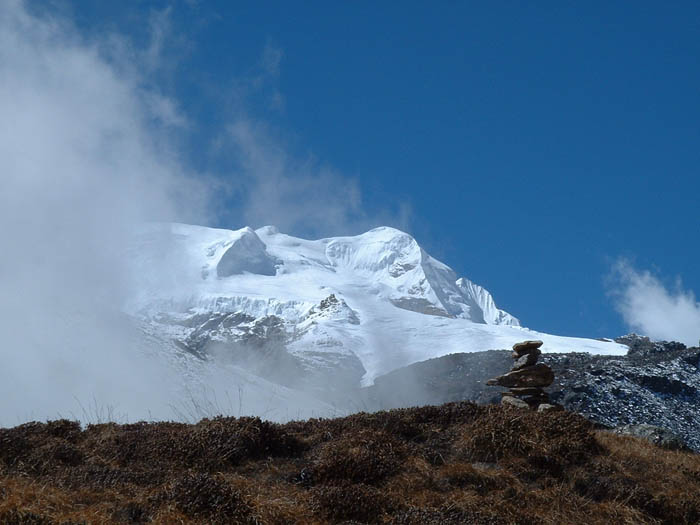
89 154
84 160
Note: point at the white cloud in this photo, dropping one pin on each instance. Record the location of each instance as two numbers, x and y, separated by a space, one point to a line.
286 192
650 308
88 152
299 195
82 164
271 60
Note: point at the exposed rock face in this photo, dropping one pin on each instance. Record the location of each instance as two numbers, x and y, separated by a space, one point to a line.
329 302
657 383
263 345
642 347
246 255
258 345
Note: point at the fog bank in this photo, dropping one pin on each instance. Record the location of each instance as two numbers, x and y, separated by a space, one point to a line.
84 159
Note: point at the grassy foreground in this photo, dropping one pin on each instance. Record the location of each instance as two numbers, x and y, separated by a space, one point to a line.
452 464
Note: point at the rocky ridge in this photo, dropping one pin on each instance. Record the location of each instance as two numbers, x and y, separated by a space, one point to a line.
656 383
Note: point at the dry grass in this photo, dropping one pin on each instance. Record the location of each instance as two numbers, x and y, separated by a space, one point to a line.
456 463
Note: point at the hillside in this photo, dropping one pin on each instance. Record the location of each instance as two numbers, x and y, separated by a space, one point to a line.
451 464
657 383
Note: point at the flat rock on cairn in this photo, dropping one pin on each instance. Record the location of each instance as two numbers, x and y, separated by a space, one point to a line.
527 379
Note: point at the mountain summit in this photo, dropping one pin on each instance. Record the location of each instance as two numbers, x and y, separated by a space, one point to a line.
384 265
306 314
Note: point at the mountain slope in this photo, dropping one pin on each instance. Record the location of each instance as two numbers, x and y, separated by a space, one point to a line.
656 383
316 315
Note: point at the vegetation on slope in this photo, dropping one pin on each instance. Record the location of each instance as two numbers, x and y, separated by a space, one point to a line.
449 464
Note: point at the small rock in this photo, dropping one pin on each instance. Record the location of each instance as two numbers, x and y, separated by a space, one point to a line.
526 391
528 359
526 346
546 407
537 375
515 402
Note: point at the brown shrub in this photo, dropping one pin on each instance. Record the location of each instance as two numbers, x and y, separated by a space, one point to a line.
366 457
548 442
211 444
201 495
407 423
101 476
254 438
132 512
457 463
139 443
449 515
21 517
40 448
465 476
359 502
661 484
64 429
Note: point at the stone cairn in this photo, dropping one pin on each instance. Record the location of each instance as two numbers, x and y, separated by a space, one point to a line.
527 379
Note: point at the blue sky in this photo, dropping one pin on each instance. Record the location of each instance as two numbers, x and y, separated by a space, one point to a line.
528 147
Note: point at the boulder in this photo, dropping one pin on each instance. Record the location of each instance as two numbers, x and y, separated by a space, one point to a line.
538 375
514 402
526 391
520 349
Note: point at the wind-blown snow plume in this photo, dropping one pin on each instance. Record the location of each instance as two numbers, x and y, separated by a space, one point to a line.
649 307
82 162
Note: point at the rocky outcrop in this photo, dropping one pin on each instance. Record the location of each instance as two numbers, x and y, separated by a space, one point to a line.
247 254
656 383
265 346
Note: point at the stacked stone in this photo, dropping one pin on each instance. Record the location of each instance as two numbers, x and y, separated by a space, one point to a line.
527 379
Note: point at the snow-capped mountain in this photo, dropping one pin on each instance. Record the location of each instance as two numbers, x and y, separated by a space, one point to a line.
315 314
